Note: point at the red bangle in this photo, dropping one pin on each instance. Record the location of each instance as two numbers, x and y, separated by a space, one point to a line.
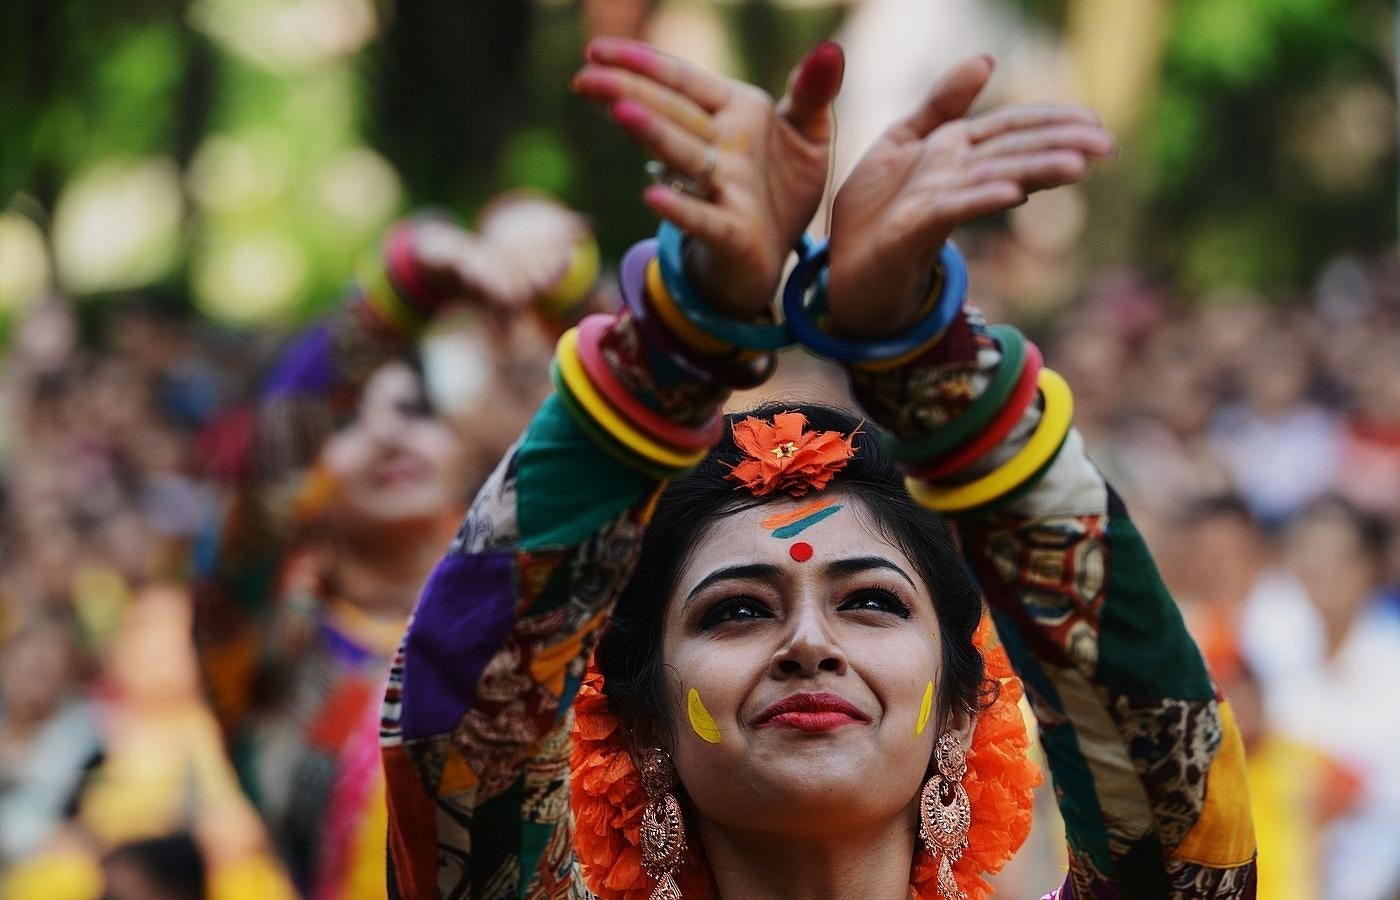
681 437
405 275
996 430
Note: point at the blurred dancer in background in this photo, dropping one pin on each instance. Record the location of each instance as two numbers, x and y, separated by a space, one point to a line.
350 485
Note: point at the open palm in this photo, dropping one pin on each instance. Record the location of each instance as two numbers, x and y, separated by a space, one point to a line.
929 174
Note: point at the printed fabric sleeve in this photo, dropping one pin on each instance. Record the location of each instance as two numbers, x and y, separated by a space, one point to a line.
478 710
1147 760
248 616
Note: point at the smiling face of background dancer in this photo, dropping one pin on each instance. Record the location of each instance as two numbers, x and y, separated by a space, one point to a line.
394 465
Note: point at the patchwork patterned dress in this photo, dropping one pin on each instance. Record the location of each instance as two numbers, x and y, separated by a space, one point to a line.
1147 762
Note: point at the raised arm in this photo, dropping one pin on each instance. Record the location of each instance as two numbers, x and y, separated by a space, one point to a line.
477 712
1147 762
246 627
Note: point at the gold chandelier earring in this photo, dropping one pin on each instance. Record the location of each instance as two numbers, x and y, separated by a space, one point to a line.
945 813
663 827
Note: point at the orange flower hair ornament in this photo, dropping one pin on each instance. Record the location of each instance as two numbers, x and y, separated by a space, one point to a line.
608 798
783 455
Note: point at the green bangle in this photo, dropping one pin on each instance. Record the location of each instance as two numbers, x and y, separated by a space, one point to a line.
600 436
735 332
983 409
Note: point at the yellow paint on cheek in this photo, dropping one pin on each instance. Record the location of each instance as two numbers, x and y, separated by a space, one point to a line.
924 709
700 719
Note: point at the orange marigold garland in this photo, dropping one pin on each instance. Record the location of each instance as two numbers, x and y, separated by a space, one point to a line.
607 796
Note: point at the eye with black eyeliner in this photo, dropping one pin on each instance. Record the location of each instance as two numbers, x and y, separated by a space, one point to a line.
737 608
875 599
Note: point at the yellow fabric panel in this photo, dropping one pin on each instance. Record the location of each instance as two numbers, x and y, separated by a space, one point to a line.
1224 834
365 880
254 878
55 875
1284 778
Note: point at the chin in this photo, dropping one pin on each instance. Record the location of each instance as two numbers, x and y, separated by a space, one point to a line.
813 790
405 506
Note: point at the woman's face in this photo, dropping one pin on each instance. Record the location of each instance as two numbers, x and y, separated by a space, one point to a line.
798 665
396 462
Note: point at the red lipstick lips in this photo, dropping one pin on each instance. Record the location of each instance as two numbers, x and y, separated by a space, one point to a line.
811 712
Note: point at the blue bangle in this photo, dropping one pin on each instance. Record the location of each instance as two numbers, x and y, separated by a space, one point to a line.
801 318
731 372
740 334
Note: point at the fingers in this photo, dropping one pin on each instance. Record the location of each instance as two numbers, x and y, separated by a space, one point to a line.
966 204
1032 171
699 220
1089 140
706 88
663 139
812 88
1014 118
610 84
951 98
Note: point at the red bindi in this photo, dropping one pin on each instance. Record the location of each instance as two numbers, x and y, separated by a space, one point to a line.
800 551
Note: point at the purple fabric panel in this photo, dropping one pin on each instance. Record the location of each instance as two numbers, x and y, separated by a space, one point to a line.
306 367
343 648
466 612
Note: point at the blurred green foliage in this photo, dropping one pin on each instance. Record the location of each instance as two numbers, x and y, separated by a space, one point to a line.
1268 147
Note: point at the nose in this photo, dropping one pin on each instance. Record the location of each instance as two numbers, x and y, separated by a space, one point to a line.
385 426
808 648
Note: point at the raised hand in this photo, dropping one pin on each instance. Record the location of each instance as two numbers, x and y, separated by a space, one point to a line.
522 249
761 167
930 173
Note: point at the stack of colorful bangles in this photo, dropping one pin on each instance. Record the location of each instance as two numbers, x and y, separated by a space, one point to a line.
701 343
614 417
936 465
392 287
697 341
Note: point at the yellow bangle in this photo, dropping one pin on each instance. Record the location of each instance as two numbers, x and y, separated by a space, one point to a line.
578 280
675 320
1044 443
886 365
571 370
681 327
380 294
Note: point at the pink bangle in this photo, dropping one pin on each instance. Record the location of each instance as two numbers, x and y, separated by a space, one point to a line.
996 430
405 274
681 437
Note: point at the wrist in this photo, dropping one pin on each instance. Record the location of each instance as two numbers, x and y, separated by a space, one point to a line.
723 291
883 309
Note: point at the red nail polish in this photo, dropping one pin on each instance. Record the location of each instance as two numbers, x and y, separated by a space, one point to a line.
820 76
630 114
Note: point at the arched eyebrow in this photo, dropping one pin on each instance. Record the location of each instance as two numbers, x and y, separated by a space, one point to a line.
769 572
749 572
858 564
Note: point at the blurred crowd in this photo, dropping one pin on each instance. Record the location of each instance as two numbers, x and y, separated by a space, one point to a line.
1256 441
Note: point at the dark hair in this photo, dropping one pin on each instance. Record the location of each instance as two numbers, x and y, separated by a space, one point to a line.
173 864
629 653
1371 532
